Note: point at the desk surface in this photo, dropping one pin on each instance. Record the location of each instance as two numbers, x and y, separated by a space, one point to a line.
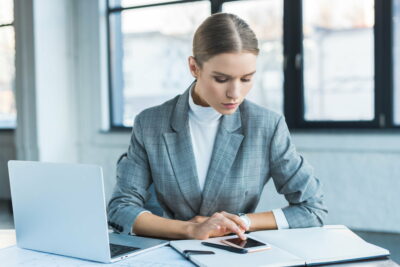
12 256
7 238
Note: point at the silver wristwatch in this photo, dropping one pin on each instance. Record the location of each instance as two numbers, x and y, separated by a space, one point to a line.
245 219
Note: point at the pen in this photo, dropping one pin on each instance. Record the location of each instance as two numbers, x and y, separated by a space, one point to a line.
189 252
231 249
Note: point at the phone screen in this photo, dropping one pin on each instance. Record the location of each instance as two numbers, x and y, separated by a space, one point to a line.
248 243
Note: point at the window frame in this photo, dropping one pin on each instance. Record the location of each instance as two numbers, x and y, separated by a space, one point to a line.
383 71
115 94
293 85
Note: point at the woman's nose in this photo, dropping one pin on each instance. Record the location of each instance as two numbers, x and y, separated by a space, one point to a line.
234 91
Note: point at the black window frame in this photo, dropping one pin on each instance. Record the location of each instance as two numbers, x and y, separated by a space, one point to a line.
293 85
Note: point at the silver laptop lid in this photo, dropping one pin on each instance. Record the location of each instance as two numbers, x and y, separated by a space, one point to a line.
60 208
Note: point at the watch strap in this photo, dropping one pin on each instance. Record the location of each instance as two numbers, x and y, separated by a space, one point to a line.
245 219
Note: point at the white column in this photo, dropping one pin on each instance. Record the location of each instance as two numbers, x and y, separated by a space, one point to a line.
45 91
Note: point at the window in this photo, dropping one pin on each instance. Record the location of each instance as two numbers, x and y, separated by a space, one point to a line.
396 34
265 17
339 71
149 52
133 3
7 55
338 47
323 63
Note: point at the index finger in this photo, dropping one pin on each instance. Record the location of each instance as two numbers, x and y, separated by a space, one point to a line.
232 226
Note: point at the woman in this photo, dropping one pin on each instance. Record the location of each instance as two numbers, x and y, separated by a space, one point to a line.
209 152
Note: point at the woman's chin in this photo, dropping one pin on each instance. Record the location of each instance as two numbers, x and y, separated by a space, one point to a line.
227 111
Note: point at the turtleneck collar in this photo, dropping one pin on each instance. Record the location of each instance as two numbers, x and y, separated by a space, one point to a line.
206 115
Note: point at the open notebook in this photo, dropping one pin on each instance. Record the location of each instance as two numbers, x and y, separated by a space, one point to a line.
291 247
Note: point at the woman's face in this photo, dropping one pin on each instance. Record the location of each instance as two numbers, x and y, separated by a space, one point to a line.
224 80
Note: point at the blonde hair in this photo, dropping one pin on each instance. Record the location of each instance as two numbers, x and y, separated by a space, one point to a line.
223 33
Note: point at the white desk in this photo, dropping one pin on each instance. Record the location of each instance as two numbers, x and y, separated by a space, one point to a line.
7 238
16 257
12 256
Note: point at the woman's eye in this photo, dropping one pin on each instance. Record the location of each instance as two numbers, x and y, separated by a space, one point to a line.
245 80
220 80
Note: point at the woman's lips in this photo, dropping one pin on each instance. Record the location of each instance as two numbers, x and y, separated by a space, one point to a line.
230 105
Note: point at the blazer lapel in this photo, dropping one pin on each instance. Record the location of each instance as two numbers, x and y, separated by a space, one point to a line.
181 154
226 146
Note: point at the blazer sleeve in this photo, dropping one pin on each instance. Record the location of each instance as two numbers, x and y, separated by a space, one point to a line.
133 181
294 178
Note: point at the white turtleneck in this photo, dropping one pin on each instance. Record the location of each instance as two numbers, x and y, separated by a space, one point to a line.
203 125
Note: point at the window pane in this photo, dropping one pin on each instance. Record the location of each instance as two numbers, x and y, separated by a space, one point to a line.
265 17
7 54
150 55
338 59
396 35
6 11
130 3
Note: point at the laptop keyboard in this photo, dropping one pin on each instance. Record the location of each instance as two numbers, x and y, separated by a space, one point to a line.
117 250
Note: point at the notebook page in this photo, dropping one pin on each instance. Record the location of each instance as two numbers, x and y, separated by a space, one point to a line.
271 257
322 244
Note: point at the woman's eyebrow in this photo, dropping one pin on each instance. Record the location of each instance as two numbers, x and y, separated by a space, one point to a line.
223 74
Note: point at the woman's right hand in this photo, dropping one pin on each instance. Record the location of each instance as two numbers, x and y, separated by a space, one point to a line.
198 219
219 224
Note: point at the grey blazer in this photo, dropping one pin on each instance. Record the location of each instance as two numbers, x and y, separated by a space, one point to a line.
252 145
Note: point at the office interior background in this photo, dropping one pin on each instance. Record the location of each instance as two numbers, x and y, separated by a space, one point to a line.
73 75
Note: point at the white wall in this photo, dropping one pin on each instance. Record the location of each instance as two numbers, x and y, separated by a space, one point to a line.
360 174
55 92
359 170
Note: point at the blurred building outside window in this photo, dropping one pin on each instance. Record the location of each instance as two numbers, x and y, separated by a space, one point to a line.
150 49
8 111
396 61
338 48
265 17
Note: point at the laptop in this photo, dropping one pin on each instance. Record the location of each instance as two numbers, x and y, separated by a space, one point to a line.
60 208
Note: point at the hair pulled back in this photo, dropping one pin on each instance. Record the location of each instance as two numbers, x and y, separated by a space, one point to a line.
223 33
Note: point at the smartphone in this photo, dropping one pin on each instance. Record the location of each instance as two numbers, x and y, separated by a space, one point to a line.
250 244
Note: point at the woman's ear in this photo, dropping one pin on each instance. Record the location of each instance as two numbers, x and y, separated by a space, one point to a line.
194 68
